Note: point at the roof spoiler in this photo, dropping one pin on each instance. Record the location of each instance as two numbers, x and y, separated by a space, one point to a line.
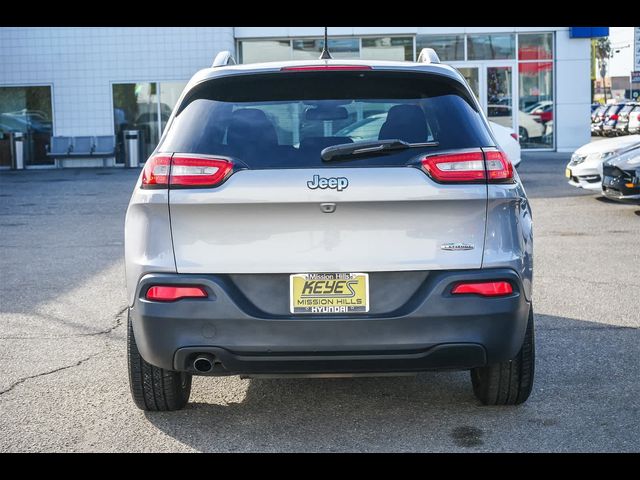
223 59
428 55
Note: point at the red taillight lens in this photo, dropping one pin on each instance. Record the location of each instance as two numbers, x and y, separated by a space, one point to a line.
193 171
156 172
499 168
168 293
515 136
185 171
639 116
614 117
324 68
455 167
486 289
467 167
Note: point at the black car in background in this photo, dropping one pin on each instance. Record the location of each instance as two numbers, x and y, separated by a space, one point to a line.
621 177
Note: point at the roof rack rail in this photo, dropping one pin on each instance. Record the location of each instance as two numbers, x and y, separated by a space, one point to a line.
223 59
428 55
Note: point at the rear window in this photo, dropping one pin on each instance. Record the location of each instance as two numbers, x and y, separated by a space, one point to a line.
284 120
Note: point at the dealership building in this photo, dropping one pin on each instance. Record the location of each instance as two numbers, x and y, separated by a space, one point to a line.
101 81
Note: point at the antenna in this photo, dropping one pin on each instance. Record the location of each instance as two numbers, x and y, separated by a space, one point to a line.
325 55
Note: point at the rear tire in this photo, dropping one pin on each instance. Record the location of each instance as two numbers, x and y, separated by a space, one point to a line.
153 388
510 382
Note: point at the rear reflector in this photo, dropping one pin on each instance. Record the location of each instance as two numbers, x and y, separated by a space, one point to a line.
185 171
167 293
188 171
324 68
486 289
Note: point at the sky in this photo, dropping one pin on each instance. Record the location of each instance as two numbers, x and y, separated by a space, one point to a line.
621 63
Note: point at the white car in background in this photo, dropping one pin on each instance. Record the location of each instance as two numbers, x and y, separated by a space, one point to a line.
530 126
508 141
584 170
369 127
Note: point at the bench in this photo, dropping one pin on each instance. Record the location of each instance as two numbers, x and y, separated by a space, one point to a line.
101 146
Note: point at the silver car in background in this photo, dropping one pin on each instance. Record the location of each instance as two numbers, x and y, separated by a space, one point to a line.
262 240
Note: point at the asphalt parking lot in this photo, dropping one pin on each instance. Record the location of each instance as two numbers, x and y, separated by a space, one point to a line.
63 381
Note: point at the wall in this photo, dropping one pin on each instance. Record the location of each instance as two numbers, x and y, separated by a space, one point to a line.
573 92
82 62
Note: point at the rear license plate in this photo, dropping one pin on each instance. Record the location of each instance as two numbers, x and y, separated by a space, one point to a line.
567 173
319 293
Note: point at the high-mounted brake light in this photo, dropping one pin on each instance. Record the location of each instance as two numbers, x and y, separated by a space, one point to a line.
183 171
485 289
469 167
170 293
324 68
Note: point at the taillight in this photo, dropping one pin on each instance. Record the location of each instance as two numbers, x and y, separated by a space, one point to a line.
515 136
485 289
499 168
195 171
614 117
639 116
455 167
469 167
183 171
156 172
324 68
170 293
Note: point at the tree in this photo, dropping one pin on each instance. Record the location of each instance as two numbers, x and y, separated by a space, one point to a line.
602 48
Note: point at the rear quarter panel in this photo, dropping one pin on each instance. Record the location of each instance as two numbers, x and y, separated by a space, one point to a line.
147 237
509 232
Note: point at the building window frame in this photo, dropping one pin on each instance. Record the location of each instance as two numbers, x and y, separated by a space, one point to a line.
53 117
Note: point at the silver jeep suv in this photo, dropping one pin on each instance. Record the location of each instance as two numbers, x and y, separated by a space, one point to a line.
259 242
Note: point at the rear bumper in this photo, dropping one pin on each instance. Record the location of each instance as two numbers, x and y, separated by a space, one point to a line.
432 330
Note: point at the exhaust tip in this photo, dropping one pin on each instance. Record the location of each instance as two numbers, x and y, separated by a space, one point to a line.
203 363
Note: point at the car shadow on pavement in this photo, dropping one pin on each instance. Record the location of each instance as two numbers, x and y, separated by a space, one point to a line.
433 411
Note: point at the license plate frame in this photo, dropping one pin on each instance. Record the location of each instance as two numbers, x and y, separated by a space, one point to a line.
329 293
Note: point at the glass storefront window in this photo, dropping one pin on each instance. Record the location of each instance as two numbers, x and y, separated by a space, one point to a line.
138 106
26 110
471 75
536 104
448 47
491 47
169 95
387 48
535 46
255 51
135 107
339 47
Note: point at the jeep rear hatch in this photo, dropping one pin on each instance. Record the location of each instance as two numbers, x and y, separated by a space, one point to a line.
251 193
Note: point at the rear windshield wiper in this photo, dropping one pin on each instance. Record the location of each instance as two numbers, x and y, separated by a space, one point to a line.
347 151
